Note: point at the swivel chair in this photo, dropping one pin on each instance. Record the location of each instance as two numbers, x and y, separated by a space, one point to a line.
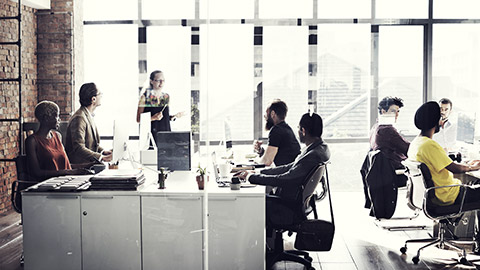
301 207
422 196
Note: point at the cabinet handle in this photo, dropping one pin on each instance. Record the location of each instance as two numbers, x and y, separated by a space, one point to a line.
97 197
224 199
62 197
183 199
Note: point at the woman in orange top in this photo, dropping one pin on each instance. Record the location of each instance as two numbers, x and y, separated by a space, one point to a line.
46 155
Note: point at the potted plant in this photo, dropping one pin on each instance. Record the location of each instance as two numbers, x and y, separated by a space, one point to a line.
201 177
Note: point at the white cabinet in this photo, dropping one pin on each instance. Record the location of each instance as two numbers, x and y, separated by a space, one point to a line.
111 232
236 232
172 232
51 232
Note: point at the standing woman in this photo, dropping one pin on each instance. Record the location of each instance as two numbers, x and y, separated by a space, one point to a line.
46 155
155 101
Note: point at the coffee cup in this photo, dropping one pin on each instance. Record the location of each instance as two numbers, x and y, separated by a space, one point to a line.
224 169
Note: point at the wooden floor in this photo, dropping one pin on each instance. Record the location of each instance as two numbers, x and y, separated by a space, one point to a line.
358 243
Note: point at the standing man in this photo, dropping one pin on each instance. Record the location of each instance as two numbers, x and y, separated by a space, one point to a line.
283 146
385 137
83 140
447 135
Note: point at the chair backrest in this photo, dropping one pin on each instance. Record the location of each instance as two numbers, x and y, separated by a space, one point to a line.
311 183
416 184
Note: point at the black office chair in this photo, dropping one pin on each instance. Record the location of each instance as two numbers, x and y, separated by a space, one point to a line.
301 207
422 196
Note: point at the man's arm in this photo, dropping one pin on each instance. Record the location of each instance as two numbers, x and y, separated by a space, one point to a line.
392 139
462 168
269 155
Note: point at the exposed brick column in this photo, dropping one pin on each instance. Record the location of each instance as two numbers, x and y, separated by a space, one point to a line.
55 55
9 94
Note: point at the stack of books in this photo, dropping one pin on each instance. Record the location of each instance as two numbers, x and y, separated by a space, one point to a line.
117 180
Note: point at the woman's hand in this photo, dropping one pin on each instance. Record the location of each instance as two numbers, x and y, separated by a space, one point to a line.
157 117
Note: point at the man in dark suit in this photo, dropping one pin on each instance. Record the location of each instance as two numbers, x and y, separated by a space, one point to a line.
83 140
289 178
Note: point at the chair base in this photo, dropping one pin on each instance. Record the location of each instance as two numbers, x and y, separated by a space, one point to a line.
441 242
279 254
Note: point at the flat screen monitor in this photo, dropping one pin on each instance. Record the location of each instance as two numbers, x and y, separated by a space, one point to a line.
120 140
144 135
173 150
466 127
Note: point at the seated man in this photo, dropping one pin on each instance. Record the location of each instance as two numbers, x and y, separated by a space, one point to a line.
447 135
282 147
46 156
83 140
385 137
289 178
424 149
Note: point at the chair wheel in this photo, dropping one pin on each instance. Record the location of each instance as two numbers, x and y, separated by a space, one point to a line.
415 260
464 261
403 250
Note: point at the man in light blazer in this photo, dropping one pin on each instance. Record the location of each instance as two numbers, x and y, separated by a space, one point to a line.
83 140
289 178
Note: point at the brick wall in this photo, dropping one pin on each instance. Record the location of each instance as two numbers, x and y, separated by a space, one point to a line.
9 97
55 55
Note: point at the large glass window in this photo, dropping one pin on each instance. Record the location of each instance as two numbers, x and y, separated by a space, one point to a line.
226 83
227 9
168 50
166 9
272 9
110 10
343 79
344 8
285 69
456 66
455 9
401 70
401 8
115 72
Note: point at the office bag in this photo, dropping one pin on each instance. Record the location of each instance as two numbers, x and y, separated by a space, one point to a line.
316 234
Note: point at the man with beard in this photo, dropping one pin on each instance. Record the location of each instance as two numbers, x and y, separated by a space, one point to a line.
425 150
289 178
282 147
447 136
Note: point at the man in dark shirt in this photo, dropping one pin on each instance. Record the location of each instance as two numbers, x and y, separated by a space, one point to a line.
385 137
283 146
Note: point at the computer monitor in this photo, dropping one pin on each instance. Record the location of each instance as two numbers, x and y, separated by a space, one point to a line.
466 127
145 136
173 150
120 140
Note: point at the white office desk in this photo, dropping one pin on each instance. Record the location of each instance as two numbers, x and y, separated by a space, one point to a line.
146 229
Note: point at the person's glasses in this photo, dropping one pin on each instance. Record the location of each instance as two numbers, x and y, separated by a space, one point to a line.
158 80
99 94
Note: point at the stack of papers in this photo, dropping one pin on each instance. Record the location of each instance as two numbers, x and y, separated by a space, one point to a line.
117 180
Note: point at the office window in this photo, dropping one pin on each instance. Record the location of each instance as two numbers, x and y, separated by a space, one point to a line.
226 82
166 9
401 70
115 72
227 9
285 69
110 10
417 9
173 58
273 9
456 66
343 79
344 9
455 9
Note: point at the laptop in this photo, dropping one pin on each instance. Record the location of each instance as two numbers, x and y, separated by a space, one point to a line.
225 182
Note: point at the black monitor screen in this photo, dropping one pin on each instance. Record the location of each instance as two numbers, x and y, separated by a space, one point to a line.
174 150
